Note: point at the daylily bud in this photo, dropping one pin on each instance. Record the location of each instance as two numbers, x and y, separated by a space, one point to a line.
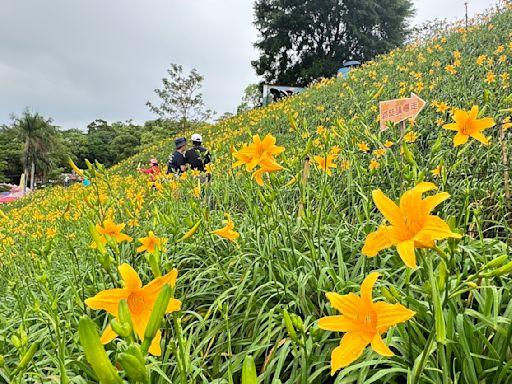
496 262
73 166
421 176
289 326
507 268
89 165
154 262
122 329
96 237
132 361
441 276
297 322
262 198
387 294
308 147
157 314
293 122
124 314
249 371
487 96
15 340
100 166
394 292
2 361
95 352
88 202
408 155
43 278
190 232
27 357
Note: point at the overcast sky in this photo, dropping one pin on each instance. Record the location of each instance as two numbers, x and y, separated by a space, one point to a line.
79 60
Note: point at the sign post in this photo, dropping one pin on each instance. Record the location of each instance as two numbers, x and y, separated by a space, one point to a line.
399 110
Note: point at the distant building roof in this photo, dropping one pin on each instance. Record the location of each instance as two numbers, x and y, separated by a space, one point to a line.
351 63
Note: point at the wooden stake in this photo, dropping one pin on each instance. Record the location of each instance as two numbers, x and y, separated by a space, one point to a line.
504 160
305 175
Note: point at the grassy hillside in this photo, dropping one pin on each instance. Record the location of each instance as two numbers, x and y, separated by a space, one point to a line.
301 236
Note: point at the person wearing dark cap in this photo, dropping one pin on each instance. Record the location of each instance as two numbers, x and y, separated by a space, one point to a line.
177 163
197 156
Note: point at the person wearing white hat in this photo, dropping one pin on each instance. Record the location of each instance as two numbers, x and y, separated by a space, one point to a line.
197 156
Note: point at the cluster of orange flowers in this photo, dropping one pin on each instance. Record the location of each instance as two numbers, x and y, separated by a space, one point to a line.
363 321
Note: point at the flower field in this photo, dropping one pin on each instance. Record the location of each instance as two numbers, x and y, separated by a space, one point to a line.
323 250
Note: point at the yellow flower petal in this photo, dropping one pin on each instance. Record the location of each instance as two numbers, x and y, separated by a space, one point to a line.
155 348
451 126
480 137
173 306
376 241
107 300
258 176
482 124
351 347
381 348
153 289
473 113
424 186
406 252
390 314
460 139
367 286
387 207
435 228
346 304
460 116
338 324
108 335
430 202
130 276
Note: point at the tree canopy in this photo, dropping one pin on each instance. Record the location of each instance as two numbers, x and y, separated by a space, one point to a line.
302 40
180 97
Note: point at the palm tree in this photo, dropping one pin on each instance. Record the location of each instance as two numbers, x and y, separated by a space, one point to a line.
38 136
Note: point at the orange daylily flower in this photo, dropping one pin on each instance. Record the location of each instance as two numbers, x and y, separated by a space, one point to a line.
412 226
467 124
363 147
113 230
374 164
141 300
259 153
253 154
410 137
150 243
363 322
265 167
326 162
227 232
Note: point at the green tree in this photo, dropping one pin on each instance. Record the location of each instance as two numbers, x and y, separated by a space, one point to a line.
99 136
10 155
251 98
77 143
180 98
38 136
302 40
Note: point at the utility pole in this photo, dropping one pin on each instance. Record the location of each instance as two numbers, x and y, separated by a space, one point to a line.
466 6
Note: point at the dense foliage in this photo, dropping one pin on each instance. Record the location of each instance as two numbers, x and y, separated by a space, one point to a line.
301 41
109 143
303 234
